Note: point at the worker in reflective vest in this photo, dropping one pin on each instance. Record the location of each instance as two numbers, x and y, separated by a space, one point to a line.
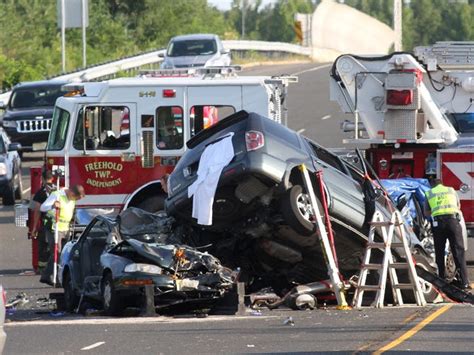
442 203
65 201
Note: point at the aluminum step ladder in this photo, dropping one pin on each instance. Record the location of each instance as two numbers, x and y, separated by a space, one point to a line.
388 265
333 271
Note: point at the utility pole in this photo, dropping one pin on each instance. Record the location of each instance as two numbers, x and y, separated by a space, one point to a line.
83 22
397 24
63 35
244 4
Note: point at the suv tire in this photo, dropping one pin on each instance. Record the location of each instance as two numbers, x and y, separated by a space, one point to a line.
295 210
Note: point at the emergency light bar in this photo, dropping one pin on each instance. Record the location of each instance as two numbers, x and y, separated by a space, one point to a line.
187 72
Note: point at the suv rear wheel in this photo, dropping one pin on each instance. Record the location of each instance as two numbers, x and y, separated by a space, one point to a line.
297 210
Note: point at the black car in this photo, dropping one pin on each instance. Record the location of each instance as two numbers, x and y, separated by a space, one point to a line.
262 217
114 259
29 111
10 170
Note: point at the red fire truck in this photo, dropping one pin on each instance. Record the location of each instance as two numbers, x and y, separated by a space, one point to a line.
414 113
118 138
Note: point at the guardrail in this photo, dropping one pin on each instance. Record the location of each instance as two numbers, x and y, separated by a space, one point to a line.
106 69
263 46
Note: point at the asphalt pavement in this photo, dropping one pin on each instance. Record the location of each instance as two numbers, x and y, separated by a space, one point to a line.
34 329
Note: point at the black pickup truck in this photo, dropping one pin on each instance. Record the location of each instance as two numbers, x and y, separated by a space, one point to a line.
29 112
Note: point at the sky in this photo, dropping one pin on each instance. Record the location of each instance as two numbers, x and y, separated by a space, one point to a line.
225 4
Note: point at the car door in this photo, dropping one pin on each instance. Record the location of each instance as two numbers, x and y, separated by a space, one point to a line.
92 248
346 196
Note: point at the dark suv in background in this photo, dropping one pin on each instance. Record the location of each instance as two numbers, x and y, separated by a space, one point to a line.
29 111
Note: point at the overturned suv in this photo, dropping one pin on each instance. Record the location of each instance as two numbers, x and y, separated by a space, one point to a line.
262 216
114 259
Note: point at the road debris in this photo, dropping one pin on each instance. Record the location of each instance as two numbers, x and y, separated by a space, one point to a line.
20 300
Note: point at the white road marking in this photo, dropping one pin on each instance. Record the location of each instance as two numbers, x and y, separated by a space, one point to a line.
301 130
312 69
95 345
325 117
130 320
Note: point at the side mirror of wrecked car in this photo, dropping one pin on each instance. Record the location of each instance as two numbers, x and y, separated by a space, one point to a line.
402 200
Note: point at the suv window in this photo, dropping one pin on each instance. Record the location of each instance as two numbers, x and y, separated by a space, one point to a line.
103 127
37 96
327 157
192 47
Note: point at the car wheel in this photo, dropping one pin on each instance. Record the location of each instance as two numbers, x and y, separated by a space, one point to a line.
111 301
9 194
427 288
19 185
153 204
449 267
71 299
297 211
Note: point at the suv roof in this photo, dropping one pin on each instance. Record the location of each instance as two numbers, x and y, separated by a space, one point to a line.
40 83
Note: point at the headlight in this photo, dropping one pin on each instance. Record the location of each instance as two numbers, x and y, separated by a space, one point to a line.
146 268
9 123
3 169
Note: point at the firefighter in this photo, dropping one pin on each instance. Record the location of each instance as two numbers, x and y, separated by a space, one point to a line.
65 201
37 230
442 203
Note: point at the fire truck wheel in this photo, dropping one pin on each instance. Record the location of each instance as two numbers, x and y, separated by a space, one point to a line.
153 204
71 300
297 211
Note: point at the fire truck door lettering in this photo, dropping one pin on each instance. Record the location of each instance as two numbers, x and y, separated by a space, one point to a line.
463 171
101 174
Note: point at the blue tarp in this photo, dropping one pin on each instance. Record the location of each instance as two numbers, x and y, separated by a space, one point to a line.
413 188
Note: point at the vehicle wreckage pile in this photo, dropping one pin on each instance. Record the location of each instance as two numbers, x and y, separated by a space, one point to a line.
255 226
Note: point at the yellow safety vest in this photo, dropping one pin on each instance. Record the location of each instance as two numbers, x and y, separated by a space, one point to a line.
66 211
442 200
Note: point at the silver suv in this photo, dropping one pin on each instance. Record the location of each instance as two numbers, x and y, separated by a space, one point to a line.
195 50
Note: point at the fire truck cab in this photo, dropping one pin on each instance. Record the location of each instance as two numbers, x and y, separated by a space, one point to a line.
117 138
414 113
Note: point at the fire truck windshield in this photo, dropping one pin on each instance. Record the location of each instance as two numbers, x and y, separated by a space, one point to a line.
58 134
463 122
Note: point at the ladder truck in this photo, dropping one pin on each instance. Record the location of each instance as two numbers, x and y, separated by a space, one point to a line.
414 114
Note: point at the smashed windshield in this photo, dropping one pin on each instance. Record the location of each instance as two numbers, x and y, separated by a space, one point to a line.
192 47
38 96
463 122
58 134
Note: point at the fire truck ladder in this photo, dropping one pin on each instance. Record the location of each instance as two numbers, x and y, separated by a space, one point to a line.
333 271
388 265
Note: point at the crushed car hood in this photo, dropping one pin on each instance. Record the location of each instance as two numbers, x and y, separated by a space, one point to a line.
165 256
